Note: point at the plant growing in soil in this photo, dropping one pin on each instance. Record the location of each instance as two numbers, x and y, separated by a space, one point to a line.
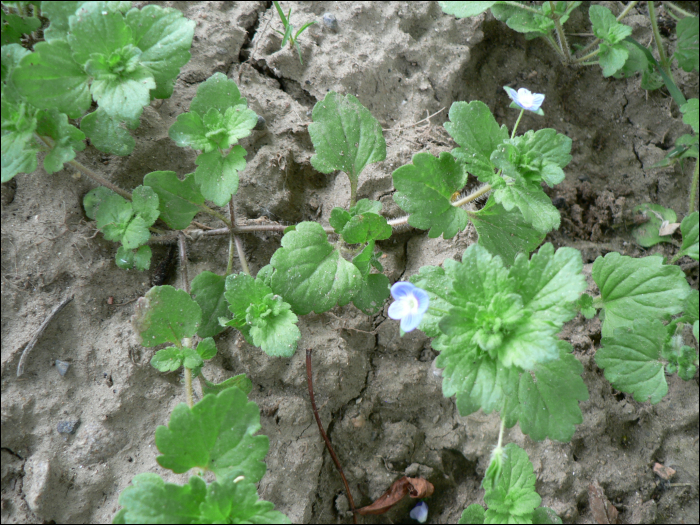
287 35
494 316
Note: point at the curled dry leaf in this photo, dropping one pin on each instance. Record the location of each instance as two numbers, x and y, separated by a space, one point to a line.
414 487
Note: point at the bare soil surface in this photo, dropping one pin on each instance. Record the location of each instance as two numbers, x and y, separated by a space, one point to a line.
379 395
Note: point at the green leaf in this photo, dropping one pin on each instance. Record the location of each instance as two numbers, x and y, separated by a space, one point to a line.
95 29
690 112
532 24
67 139
612 58
689 229
164 37
310 274
208 290
206 348
107 133
514 499
168 359
630 358
538 156
217 175
12 55
647 234
19 148
687 44
464 9
145 203
189 131
545 516
217 92
605 25
504 233
373 293
474 513
239 381
121 85
366 227
424 189
473 127
14 26
681 359
228 500
135 234
140 258
50 78
58 14
263 318
548 404
585 305
345 135
216 434
151 500
534 205
637 288
165 315
178 200
113 214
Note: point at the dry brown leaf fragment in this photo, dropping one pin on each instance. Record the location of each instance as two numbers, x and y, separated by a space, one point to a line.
414 487
603 511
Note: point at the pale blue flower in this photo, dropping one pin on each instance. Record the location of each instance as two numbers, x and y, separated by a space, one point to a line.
410 304
420 512
524 99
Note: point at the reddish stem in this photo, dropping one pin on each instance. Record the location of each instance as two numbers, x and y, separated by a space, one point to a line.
310 382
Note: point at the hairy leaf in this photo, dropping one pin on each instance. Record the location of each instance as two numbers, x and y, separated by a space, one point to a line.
216 434
165 315
345 135
178 200
424 189
310 274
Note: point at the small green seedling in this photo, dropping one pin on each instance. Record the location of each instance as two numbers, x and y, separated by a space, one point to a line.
289 29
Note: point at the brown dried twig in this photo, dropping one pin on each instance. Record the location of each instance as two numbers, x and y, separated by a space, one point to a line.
310 382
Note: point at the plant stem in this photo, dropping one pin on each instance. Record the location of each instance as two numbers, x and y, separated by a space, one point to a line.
516 123
563 44
500 434
49 143
309 381
185 286
473 196
214 213
589 55
657 38
678 9
353 190
235 240
693 189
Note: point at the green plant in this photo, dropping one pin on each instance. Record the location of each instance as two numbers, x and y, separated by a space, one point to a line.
287 35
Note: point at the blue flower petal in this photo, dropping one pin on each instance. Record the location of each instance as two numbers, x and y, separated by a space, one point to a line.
398 309
420 512
402 289
411 321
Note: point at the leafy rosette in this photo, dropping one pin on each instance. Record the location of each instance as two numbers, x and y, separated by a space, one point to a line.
498 338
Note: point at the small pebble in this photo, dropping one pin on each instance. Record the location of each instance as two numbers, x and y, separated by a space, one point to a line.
261 123
330 21
67 427
62 366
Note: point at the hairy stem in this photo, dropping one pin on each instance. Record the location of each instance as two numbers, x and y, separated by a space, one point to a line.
524 7
353 191
188 378
206 209
99 179
473 196
235 240
310 382
678 9
563 44
657 39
